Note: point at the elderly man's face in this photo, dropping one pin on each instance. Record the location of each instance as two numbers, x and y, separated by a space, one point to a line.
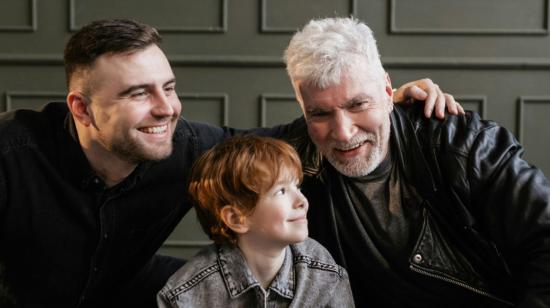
349 122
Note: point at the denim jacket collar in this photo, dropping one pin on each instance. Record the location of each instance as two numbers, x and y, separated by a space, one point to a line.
238 278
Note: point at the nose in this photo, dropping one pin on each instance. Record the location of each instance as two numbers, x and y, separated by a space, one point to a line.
163 105
301 201
342 126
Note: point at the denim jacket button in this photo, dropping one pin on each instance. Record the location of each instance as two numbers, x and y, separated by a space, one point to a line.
417 258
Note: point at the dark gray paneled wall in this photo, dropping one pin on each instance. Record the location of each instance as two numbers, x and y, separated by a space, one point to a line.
494 55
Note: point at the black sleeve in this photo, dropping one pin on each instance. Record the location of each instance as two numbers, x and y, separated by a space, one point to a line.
513 198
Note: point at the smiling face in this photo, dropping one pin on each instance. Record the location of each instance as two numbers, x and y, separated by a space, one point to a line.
349 122
133 106
279 217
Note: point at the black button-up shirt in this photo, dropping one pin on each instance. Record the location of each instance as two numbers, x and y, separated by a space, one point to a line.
66 240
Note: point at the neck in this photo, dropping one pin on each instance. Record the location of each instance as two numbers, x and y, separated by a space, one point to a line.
105 163
263 263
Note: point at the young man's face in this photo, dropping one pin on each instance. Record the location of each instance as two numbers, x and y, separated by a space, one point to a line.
279 217
349 122
133 104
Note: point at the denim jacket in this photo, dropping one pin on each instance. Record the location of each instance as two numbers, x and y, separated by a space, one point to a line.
219 277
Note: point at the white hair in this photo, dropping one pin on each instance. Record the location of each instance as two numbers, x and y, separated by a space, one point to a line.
326 48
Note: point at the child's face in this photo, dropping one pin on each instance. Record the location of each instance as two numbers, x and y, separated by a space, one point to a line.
280 214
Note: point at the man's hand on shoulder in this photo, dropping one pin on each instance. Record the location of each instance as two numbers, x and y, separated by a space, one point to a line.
429 92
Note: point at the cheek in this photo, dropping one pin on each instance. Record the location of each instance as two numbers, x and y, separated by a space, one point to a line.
372 121
318 132
176 105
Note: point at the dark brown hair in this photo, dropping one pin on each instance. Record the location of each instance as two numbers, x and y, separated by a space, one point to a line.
236 172
106 36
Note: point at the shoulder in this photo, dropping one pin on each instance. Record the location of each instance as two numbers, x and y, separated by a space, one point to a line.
202 135
316 258
193 273
456 133
22 127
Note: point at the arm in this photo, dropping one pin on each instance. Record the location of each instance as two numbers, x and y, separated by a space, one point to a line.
429 92
162 301
512 200
341 295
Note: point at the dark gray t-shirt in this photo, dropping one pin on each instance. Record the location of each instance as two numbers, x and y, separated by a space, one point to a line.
380 220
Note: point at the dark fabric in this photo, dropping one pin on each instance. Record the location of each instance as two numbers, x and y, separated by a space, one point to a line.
485 233
376 200
69 241
386 224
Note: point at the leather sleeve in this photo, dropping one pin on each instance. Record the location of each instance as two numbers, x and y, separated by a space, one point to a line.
512 199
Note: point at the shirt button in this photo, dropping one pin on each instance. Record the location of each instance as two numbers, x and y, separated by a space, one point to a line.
96 180
105 235
95 269
417 258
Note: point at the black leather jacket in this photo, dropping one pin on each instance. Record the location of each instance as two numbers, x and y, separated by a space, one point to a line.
486 222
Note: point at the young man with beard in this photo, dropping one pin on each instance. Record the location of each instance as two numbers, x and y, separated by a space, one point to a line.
91 188
421 212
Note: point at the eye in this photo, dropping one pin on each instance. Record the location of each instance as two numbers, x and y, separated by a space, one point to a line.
318 115
170 89
280 192
357 106
139 94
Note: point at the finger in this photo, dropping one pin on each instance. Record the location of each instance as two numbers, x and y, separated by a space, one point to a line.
440 104
430 101
415 92
460 109
452 105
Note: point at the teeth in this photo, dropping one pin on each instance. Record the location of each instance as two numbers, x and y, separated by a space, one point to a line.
350 147
154 129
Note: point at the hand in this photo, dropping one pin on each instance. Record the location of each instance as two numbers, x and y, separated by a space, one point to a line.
429 92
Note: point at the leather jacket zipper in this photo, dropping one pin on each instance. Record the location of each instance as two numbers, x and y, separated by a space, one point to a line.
458 283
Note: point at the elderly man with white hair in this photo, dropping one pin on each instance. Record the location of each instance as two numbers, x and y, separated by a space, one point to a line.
421 212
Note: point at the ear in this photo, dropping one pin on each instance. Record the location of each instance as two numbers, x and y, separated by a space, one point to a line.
234 219
389 91
78 106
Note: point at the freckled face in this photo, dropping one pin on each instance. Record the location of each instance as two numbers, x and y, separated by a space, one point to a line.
349 122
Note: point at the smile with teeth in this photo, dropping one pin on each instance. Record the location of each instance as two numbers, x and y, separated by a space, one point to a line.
154 129
350 147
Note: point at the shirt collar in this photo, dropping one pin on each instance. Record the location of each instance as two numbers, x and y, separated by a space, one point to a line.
82 171
238 278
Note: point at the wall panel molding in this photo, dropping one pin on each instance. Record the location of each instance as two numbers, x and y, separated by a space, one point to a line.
185 244
30 59
33 17
223 100
479 100
275 61
266 28
522 102
220 28
47 97
395 29
270 98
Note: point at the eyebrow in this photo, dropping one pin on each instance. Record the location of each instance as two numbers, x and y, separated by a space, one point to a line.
131 89
358 99
347 104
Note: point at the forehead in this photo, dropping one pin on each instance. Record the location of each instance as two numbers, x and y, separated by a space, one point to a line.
145 66
351 87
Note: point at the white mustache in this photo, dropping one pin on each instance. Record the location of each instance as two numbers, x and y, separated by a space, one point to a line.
355 141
